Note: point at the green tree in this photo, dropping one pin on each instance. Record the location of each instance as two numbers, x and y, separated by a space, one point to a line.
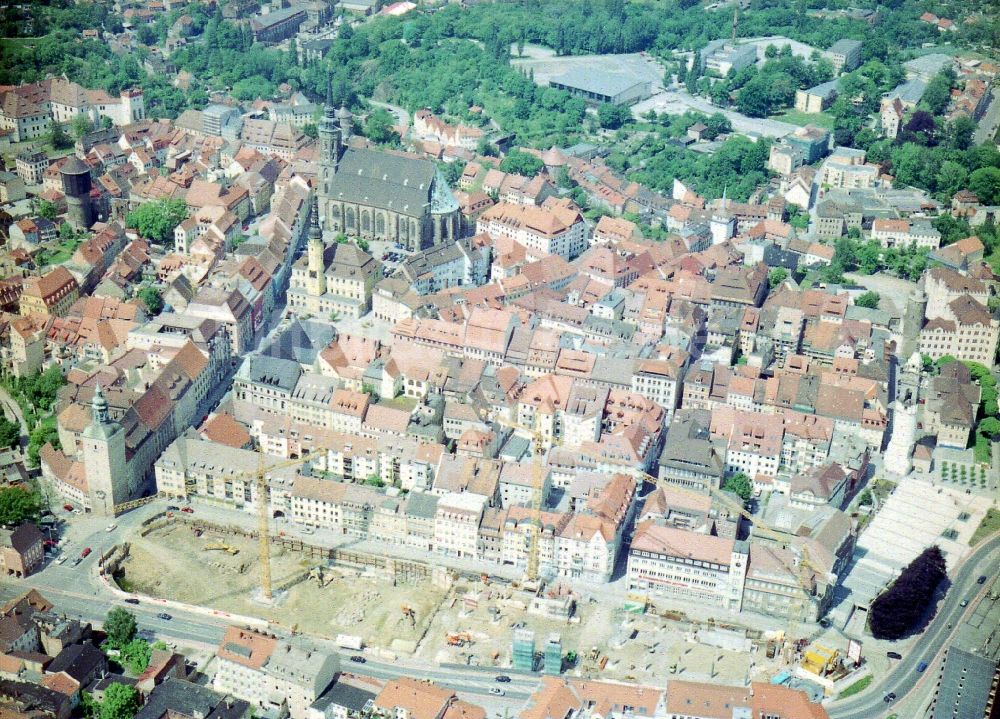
776 276
47 209
152 299
868 299
521 163
985 182
136 655
58 137
44 433
379 127
120 702
310 130
611 117
80 125
18 505
156 220
120 628
740 485
10 432
375 481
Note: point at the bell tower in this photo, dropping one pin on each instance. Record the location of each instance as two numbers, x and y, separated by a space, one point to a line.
104 459
316 285
330 140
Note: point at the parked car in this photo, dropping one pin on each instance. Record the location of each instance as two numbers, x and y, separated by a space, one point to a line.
187 510
173 508
131 600
68 507
982 579
503 679
497 691
894 655
890 697
358 658
164 616
921 666
964 603
60 559
85 552
111 527
76 562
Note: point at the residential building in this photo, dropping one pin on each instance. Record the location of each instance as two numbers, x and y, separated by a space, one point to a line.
554 228
271 674
277 25
51 294
21 550
31 166
971 333
845 55
675 563
816 99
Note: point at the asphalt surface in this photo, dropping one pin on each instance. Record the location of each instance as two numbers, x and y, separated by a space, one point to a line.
904 678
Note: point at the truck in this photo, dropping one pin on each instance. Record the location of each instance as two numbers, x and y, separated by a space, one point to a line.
349 641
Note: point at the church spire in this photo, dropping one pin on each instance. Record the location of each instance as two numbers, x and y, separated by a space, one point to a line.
99 406
315 233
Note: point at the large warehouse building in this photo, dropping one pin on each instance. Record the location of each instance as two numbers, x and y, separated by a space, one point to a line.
599 87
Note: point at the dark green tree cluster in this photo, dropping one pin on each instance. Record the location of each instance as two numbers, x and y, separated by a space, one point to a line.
157 220
765 90
738 167
520 162
10 433
899 609
740 485
18 505
869 257
868 299
38 390
152 299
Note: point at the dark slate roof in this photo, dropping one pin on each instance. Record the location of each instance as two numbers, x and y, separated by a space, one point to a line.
347 696
689 444
383 180
301 341
276 372
421 504
179 697
78 661
774 256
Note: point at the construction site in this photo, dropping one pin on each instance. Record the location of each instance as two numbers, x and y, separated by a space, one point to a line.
437 617
178 561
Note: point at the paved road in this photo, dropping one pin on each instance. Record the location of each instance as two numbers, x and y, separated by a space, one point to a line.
987 127
12 411
905 678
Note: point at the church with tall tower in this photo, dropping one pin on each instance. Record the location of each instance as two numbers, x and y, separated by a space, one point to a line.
104 459
379 195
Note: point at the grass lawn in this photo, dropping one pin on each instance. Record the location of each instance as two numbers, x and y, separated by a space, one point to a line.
989 525
795 117
401 402
857 687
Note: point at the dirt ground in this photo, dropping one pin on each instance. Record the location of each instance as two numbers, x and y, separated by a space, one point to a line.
172 563
639 648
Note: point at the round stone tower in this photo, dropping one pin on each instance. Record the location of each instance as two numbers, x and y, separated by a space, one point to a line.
76 184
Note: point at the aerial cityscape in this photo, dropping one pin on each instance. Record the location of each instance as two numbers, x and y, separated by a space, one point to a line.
499 359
